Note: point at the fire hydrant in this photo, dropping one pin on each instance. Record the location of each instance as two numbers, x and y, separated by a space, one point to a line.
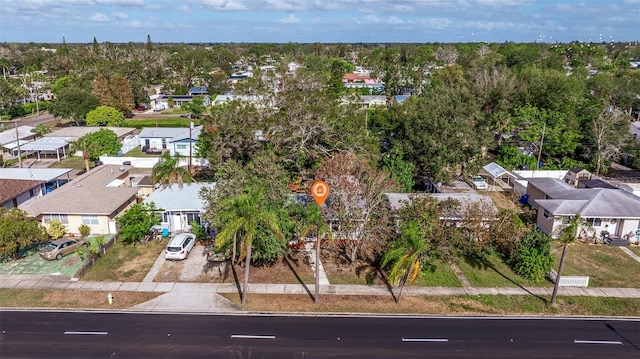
110 298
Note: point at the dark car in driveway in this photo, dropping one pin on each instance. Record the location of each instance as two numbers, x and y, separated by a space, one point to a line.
61 247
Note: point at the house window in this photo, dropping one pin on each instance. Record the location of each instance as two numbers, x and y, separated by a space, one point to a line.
193 217
594 222
164 143
546 214
181 146
60 217
566 219
90 219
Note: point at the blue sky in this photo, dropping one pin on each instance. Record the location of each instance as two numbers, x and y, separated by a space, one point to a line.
319 20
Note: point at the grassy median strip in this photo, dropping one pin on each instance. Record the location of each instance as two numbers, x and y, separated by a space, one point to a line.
441 305
66 299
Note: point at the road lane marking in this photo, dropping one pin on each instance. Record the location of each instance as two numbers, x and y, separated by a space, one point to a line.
428 340
242 336
576 341
86 333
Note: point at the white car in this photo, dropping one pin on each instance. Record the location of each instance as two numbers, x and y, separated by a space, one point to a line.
479 183
179 246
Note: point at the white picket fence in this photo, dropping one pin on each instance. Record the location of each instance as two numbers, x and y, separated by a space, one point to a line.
569 281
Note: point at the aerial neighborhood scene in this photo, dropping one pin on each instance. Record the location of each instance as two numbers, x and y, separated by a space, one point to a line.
349 177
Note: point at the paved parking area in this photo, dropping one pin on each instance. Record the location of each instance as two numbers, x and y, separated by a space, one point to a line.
33 264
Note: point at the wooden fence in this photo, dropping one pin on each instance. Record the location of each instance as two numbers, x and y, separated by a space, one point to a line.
91 260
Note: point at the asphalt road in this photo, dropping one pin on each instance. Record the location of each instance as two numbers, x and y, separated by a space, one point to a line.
27 334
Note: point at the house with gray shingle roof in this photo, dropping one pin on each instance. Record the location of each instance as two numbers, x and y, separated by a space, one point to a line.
613 211
13 192
95 198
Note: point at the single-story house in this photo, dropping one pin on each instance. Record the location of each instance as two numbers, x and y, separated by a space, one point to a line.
14 193
179 140
198 91
161 102
602 209
19 186
399 200
95 198
179 206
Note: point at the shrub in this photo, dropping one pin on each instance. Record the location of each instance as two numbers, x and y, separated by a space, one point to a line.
84 230
55 229
532 259
198 230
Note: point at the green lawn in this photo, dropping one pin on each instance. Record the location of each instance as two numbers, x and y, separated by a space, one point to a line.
159 122
437 274
137 152
129 263
75 162
493 272
606 266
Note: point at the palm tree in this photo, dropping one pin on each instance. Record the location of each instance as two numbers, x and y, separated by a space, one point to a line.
313 221
243 216
168 171
84 145
567 236
405 258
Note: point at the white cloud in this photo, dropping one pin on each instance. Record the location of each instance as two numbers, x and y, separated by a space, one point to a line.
121 15
185 8
225 5
121 2
99 17
290 19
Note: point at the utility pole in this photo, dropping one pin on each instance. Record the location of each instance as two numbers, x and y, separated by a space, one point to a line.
544 127
18 143
190 142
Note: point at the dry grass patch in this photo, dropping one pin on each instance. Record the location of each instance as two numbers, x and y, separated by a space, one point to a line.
170 271
48 298
291 270
606 266
440 305
127 263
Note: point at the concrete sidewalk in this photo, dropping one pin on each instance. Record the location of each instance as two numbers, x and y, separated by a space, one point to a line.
204 297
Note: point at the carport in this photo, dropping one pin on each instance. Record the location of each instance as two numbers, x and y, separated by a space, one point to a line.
45 146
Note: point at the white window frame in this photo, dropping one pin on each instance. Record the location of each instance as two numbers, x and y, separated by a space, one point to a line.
546 214
181 146
63 218
90 219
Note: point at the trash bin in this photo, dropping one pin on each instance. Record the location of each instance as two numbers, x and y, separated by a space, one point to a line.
165 232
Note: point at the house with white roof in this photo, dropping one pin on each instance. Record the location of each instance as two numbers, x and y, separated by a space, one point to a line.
179 140
179 206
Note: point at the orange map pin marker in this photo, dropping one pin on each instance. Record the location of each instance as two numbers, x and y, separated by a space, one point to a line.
320 191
